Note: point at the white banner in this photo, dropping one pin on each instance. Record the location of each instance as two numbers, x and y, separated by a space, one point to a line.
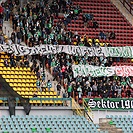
20 50
97 71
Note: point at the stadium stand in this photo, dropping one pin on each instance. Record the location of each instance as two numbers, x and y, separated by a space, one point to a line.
47 124
23 80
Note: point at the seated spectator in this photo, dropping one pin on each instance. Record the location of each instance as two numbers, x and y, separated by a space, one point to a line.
102 35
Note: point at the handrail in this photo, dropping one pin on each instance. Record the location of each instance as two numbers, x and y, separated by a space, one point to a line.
127 6
88 110
63 100
76 108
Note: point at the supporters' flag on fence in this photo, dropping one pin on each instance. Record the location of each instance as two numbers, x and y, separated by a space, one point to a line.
98 71
20 50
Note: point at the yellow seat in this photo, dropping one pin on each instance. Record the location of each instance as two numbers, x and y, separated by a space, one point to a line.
20 72
7 80
15 85
31 85
29 73
27 84
28 81
20 68
28 77
24 77
1 68
8 76
16 76
23 80
20 77
30 96
1 72
16 68
12 72
51 93
22 93
55 93
39 93
12 76
1 64
12 80
31 93
19 84
28 69
23 84
51 89
19 89
6 56
12 68
24 72
8 68
8 72
25 69
4 76
43 93
2 56
1 101
47 94
1 60
5 68
27 93
4 72
11 84
15 88
19 92
16 72
19 80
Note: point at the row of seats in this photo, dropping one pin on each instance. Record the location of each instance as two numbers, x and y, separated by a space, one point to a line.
123 122
65 124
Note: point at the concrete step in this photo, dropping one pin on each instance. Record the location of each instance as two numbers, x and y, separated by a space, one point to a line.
104 120
111 130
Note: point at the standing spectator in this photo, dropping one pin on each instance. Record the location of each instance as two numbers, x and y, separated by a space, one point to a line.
94 88
79 90
102 35
112 35
38 84
58 89
49 85
119 89
19 37
7 13
13 36
38 74
12 61
69 90
43 85
6 63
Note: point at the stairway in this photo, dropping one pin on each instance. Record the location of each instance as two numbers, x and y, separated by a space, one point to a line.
104 125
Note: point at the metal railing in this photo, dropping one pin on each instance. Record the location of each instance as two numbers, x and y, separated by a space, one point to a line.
39 101
127 5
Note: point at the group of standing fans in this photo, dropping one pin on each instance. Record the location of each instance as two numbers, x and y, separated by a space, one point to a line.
34 24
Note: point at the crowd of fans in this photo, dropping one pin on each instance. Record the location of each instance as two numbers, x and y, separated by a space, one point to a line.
34 24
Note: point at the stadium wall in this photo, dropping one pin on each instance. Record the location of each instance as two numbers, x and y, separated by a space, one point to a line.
62 111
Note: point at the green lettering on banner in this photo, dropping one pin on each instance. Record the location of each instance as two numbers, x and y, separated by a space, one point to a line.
119 52
118 104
